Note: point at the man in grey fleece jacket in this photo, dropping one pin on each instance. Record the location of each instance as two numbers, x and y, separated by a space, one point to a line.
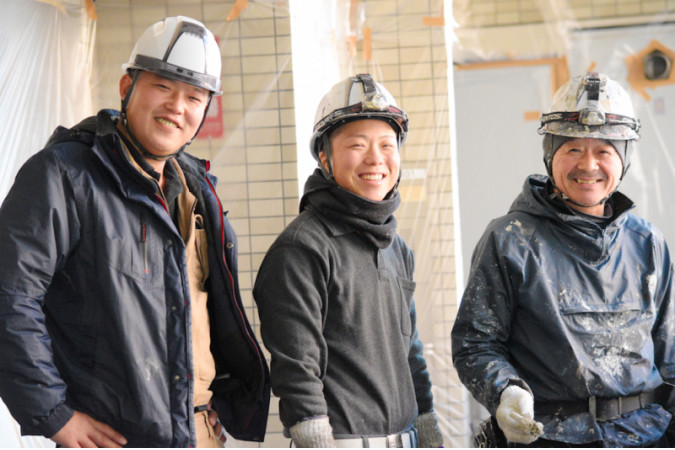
335 290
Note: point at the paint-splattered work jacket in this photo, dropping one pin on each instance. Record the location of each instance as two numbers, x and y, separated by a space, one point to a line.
572 310
94 299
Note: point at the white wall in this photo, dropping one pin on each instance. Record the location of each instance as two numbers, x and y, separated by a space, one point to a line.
650 181
497 147
45 59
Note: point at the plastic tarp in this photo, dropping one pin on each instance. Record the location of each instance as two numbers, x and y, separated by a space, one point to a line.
48 45
45 61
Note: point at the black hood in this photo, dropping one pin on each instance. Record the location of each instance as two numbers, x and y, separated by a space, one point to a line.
591 240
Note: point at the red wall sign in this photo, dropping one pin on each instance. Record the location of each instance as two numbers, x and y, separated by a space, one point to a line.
213 123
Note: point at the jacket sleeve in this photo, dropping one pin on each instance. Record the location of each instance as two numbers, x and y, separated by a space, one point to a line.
663 333
290 289
482 327
416 360
38 225
418 368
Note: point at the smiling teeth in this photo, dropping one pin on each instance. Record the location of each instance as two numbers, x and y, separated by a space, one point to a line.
377 177
168 123
586 181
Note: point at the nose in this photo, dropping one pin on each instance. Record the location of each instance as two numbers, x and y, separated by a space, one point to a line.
176 102
374 155
588 161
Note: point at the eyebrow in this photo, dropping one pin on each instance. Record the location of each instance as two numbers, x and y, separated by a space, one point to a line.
200 90
365 136
194 88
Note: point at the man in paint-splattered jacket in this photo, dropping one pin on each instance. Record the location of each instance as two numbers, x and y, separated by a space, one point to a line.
566 329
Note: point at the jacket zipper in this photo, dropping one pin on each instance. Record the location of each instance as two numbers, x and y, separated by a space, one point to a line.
234 296
144 244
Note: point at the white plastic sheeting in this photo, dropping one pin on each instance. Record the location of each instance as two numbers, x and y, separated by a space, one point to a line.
45 62
502 124
46 57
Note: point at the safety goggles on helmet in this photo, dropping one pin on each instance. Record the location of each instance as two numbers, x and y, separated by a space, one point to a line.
365 108
592 106
591 117
356 98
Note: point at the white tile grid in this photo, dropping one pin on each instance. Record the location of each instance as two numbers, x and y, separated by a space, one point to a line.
477 13
254 90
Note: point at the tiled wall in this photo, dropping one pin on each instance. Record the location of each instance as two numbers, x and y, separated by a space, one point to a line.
489 13
409 57
255 159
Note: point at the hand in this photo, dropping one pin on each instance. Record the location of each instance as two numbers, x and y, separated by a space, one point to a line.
428 431
313 432
83 431
515 416
217 426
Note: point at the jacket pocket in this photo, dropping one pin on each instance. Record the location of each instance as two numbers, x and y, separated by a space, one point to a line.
407 289
620 323
132 252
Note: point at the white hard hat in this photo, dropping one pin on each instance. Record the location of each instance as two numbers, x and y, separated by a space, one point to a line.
179 48
591 106
356 98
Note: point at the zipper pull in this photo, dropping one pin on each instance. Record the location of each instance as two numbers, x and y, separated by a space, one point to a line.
144 244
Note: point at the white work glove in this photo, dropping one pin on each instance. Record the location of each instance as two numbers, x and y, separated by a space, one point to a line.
515 416
313 433
428 432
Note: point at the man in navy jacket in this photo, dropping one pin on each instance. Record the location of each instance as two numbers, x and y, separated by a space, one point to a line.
120 314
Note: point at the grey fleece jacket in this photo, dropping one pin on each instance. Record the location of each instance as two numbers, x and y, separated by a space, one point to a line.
338 317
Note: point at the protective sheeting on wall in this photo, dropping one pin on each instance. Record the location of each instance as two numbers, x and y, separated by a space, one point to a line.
279 58
406 46
45 61
505 76
267 112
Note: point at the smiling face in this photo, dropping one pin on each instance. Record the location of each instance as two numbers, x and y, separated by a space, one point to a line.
365 158
163 114
587 171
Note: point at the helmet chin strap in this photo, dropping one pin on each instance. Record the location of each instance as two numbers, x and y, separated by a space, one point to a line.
136 142
558 193
324 146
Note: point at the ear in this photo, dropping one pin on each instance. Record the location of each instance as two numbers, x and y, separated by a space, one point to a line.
125 84
324 159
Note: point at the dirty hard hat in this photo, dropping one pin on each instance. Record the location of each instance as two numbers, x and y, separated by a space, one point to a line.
590 106
355 98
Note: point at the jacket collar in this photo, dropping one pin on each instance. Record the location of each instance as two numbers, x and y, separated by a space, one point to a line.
109 147
589 240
